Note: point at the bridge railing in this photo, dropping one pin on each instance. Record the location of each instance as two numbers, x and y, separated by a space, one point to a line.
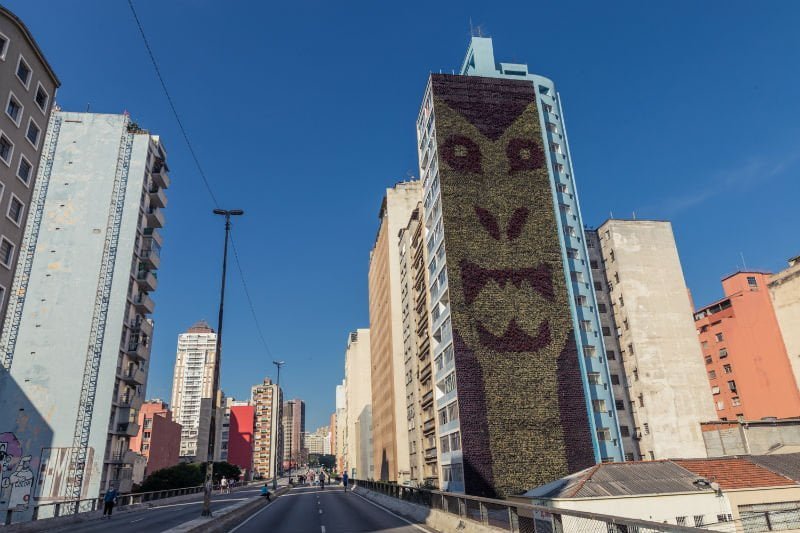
518 517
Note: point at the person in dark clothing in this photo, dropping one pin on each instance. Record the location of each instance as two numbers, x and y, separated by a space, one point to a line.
265 492
344 481
109 499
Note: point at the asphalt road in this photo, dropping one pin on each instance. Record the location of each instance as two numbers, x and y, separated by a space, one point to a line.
160 517
311 510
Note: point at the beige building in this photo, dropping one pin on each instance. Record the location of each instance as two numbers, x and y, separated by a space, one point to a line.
663 363
340 425
421 413
389 419
784 287
357 431
27 89
192 385
267 399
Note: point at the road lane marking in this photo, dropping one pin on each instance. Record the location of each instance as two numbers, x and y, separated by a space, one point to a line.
320 511
198 503
323 528
382 508
139 520
268 506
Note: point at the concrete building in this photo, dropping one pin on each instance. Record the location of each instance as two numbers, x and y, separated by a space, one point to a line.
784 288
756 437
267 399
516 335
192 386
748 369
241 438
421 414
357 447
28 89
294 428
82 287
159 437
389 419
657 343
332 437
618 377
341 425
319 442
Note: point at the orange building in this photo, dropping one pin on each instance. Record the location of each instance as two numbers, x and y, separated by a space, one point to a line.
746 361
159 437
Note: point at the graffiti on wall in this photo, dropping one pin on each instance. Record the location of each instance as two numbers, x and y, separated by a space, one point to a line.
17 476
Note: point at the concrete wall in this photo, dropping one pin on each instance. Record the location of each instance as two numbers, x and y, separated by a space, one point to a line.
756 437
784 288
660 352
358 405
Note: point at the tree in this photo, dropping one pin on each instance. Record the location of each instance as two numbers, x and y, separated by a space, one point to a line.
187 475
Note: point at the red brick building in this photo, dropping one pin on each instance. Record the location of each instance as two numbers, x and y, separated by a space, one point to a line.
159 437
240 438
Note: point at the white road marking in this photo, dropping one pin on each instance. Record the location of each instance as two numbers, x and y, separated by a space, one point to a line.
323 528
139 520
198 503
320 511
269 505
382 508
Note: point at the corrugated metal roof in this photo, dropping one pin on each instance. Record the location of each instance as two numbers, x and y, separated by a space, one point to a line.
787 464
735 472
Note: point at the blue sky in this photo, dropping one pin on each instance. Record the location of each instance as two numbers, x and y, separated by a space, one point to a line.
303 112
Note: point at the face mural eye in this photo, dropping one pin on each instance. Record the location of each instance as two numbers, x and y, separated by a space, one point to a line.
462 154
524 154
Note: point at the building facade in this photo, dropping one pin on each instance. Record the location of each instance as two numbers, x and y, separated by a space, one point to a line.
421 415
159 437
267 399
650 306
341 424
72 438
784 287
192 386
28 89
389 419
357 440
294 428
241 440
746 363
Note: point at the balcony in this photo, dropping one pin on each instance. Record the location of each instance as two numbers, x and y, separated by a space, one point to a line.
141 325
126 457
135 376
147 280
137 350
151 257
430 453
160 176
131 429
144 304
428 426
155 217
152 233
157 197
427 398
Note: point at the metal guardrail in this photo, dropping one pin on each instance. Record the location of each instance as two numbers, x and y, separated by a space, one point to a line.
71 507
517 517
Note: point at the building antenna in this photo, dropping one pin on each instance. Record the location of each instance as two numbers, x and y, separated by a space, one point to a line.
88 106
611 214
744 263
634 215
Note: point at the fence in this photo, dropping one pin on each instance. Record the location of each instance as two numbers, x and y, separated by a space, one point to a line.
518 517
65 508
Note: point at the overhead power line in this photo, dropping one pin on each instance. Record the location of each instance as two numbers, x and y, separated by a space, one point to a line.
200 170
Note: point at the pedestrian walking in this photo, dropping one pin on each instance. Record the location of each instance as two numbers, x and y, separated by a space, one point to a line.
344 481
109 499
224 485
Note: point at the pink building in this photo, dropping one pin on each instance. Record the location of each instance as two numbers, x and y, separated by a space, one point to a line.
159 437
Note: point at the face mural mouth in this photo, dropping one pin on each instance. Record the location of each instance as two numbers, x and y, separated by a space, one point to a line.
475 277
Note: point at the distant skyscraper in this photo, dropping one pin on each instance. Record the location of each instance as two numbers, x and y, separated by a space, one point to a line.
389 418
83 288
266 399
28 88
294 428
784 287
192 385
640 275
746 362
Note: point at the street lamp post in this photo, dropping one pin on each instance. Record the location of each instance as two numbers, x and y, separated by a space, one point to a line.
215 384
279 416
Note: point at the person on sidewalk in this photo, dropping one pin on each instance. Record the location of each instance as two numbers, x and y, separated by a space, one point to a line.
109 499
265 492
344 481
224 485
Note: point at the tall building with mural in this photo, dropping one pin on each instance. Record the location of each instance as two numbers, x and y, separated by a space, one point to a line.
83 288
516 338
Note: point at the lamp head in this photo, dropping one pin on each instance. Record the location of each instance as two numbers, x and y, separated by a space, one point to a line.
236 212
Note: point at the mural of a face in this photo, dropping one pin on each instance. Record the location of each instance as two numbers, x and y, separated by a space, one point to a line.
513 331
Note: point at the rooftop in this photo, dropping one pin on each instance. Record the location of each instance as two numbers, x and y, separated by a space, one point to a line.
201 326
736 472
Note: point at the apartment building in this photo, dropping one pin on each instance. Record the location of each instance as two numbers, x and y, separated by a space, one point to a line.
649 329
28 87
294 429
83 286
159 437
192 389
267 399
784 287
389 419
357 447
241 438
421 414
747 367
341 424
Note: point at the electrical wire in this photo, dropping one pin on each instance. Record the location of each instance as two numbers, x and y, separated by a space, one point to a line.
249 299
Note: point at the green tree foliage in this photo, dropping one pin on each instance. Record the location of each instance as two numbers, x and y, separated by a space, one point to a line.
326 461
187 475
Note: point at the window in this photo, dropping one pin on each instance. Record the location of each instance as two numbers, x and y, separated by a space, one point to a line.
33 133
599 405
611 355
715 390
593 264
641 400
732 385
735 401
723 353
698 520
24 72
724 517
621 302
586 325
14 109
704 344
594 378
629 457
620 405
145 447
603 434
572 253
41 98
15 210
6 252
636 375
709 360
577 276
727 369
444 444
602 308
606 331
555 147
720 405
712 374
6 148
611 258
146 434
547 107
614 379
719 337
625 323
24 170
552 128
455 441
680 520
646 427
751 282
3 46
589 350
581 300
598 286
625 431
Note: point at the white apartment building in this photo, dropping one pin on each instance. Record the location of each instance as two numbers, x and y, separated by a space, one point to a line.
76 342
192 386
357 448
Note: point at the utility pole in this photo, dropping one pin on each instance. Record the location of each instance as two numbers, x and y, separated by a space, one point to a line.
212 429
279 416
